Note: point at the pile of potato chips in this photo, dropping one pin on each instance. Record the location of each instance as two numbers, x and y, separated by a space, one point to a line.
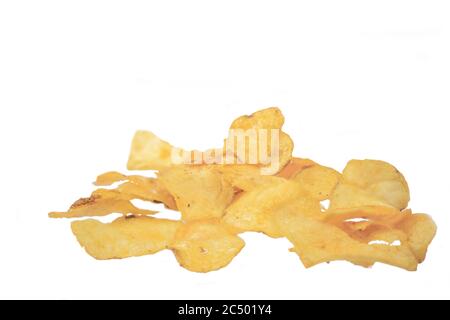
360 215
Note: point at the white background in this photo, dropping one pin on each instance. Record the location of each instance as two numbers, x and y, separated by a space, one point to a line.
355 79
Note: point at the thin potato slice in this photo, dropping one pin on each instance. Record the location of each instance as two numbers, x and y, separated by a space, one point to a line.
149 191
199 191
347 196
108 178
239 176
205 245
420 230
320 181
124 237
382 215
101 203
266 122
253 210
380 179
148 152
294 167
266 118
317 242
138 187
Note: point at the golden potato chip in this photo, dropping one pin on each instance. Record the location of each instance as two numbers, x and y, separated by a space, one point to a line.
320 181
295 166
253 210
265 118
124 237
386 216
108 178
250 181
151 190
317 242
420 230
380 179
138 187
205 245
148 152
200 192
235 173
101 203
369 224
265 144
347 196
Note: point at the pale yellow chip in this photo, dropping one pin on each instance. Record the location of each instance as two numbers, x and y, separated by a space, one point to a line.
245 177
317 242
101 203
253 210
138 187
200 192
148 152
348 196
383 215
205 245
272 149
318 180
380 179
108 178
294 167
124 237
265 118
420 230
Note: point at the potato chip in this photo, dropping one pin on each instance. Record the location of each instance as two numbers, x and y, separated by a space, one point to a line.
148 152
294 167
266 152
380 179
101 203
138 187
420 230
317 242
200 192
320 181
347 196
108 178
266 118
205 245
253 210
124 237
386 216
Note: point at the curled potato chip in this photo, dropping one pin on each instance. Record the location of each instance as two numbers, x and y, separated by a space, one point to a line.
124 237
380 179
238 175
347 196
108 178
386 216
265 144
317 242
138 187
294 167
253 210
420 230
265 118
205 245
200 192
245 177
318 180
148 152
101 203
